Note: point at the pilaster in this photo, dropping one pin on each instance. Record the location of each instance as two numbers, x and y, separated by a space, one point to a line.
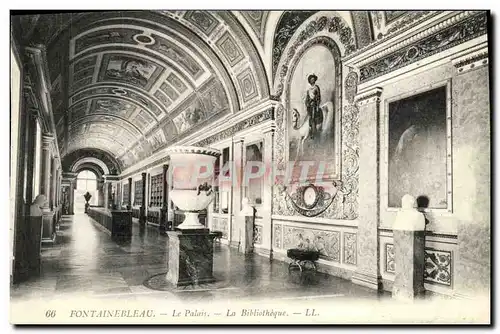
368 271
237 177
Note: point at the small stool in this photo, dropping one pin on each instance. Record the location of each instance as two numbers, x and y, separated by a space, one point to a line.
301 257
218 235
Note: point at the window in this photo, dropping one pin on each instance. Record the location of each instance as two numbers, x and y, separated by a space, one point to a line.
87 181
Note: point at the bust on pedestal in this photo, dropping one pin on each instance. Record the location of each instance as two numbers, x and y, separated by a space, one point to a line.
409 246
190 254
246 216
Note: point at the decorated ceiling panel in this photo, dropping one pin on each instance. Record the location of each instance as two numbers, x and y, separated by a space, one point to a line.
130 83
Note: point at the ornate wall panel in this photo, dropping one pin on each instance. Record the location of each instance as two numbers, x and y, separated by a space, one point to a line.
345 203
438 265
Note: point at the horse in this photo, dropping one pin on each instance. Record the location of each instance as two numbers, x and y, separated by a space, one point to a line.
303 128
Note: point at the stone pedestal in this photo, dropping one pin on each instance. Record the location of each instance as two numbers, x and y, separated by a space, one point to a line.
409 262
190 258
246 230
48 228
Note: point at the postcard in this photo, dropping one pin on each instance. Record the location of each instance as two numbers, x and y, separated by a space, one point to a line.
250 167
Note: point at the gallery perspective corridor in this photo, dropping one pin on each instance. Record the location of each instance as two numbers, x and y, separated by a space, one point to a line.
86 261
191 155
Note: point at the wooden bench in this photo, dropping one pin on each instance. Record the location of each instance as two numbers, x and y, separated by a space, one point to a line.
301 258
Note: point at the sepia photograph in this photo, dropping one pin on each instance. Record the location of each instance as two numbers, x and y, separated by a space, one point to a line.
243 167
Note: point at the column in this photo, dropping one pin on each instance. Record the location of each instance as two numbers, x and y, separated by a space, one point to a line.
72 196
164 205
106 194
234 236
267 198
368 271
30 157
46 167
142 212
53 184
129 204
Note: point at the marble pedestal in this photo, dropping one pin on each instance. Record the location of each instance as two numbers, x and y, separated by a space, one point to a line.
246 237
409 264
190 257
48 227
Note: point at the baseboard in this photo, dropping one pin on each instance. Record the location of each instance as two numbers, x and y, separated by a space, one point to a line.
368 280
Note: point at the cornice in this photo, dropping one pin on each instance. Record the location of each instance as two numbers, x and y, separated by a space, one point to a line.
369 96
471 61
434 24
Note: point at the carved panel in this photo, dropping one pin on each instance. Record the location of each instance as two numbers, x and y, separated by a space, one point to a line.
390 264
438 266
350 248
247 85
326 242
277 235
177 83
230 49
202 20
257 234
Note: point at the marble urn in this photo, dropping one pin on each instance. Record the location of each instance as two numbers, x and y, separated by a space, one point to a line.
192 175
190 255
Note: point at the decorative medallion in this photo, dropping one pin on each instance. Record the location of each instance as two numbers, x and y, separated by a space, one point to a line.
310 200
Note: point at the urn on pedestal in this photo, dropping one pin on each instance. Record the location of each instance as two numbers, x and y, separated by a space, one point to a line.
190 254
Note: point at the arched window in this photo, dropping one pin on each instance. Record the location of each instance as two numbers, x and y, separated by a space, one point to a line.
86 180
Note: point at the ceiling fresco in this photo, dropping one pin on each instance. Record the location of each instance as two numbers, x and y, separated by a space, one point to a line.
129 83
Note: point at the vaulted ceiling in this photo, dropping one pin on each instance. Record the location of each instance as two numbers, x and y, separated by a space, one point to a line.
128 83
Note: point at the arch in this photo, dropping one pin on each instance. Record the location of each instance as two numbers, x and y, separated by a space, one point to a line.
92 160
332 26
107 158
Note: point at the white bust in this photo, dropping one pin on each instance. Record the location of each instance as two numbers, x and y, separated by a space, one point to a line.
409 218
246 208
36 208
